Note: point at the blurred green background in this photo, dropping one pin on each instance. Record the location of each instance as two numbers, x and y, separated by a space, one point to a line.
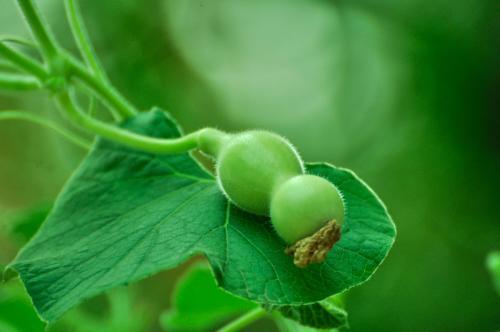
403 92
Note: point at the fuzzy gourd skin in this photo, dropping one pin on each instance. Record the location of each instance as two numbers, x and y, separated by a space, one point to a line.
252 164
261 172
302 205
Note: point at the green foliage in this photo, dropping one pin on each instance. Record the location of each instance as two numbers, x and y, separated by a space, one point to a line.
126 214
17 313
394 69
493 265
26 223
288 325
326 314
198 304
114 312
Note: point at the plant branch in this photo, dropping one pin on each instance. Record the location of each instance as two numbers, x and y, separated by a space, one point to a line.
244 320
17 40
108 94
19 115
82 39
11 81
7 66
44 38
114 133
23 62
64 65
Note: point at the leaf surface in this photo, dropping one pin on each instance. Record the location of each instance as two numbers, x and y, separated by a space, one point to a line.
127 214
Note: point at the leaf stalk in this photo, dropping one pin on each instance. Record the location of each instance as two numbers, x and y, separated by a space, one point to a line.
117 134
23 62
242 321
30 117
41 33
18 82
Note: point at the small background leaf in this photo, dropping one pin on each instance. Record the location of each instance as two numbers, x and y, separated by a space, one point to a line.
493 265
16 311
326 314
288 325
199 304
120 314
126 214
25 224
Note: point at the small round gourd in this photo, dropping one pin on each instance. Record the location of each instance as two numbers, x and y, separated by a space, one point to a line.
304 204
250 165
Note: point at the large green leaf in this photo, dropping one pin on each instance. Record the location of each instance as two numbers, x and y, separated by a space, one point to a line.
198 304
126 214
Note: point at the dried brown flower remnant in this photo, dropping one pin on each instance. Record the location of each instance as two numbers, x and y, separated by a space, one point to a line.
314 248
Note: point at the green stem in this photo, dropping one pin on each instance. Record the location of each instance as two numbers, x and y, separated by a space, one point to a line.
108 94
43 37
19 115
23 62
244 320
212 141
18 82
114 133
91 106
64 64
82 39
17 40
7 66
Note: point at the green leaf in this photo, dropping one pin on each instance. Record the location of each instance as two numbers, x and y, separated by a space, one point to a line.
26 223
199 304
288 325
117 311
493 265
126 214
326 314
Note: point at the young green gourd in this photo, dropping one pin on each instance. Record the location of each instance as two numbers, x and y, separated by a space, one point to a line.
262 173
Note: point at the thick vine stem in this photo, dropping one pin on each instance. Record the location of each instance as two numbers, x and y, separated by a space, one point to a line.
23 62
314 248
114 133
211 141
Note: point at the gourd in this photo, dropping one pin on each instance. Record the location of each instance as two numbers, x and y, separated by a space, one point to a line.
262 173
